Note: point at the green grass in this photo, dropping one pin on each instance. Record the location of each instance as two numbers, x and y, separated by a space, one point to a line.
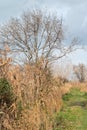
73 115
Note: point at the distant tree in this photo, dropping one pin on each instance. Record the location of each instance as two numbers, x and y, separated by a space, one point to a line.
36 35
81 72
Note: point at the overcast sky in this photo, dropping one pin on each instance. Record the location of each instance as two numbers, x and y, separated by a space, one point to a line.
74 13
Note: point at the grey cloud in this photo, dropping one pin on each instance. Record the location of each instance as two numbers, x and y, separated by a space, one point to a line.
74 12
9 9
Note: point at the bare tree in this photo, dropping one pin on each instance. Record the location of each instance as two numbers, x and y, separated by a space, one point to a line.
81 72
36 35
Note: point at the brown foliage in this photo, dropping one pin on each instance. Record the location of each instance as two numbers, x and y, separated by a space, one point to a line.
40 98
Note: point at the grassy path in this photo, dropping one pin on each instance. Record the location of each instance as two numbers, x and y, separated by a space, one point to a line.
73 115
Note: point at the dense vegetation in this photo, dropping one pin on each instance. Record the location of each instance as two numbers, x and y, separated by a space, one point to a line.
30 94
6 93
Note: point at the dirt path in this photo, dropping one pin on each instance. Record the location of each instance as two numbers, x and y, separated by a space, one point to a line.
73 115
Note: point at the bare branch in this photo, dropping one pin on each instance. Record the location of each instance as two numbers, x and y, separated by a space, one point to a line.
37 35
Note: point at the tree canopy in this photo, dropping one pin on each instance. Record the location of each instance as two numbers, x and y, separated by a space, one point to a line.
36 35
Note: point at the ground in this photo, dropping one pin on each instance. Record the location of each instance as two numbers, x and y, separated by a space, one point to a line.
73 115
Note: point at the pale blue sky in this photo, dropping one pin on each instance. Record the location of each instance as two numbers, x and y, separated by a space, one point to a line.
74 13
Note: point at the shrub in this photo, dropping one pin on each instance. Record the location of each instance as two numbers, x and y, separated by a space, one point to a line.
67 96
6 93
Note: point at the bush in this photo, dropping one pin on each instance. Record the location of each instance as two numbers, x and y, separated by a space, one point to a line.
67 96
6 93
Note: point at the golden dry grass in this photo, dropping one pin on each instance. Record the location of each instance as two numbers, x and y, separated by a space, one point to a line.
38 94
